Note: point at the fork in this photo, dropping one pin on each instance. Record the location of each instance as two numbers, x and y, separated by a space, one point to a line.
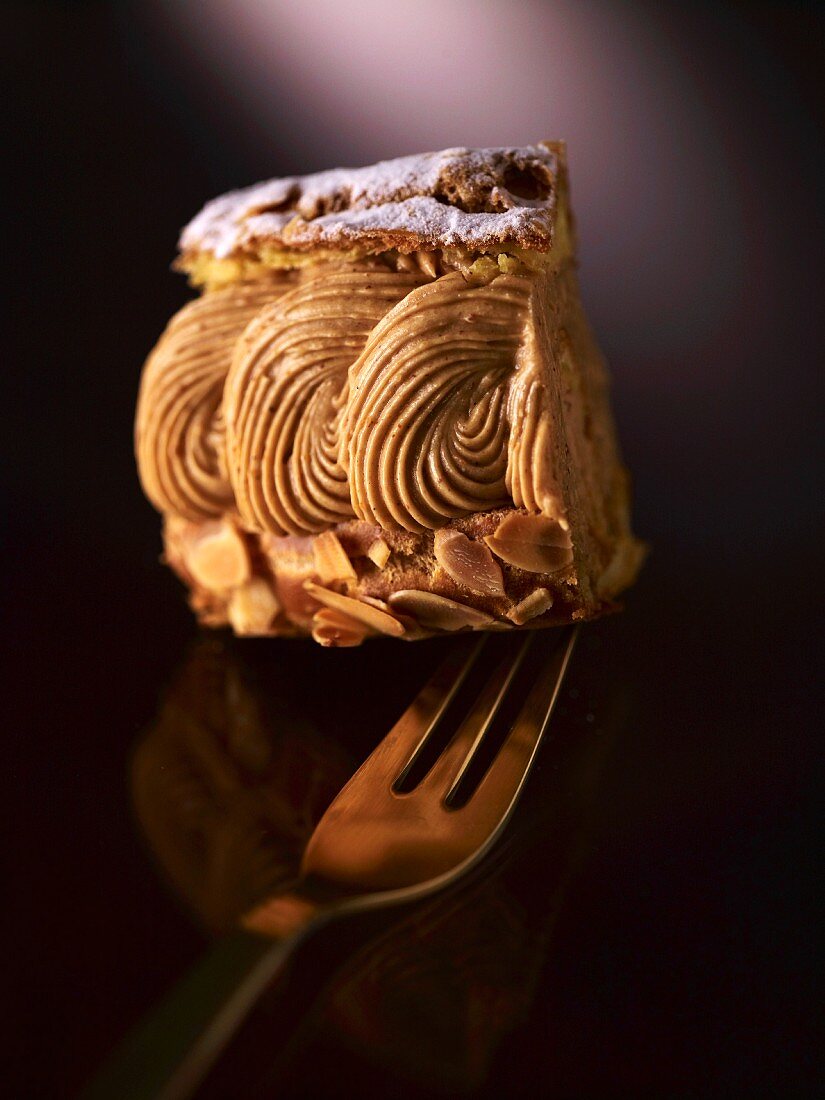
421 813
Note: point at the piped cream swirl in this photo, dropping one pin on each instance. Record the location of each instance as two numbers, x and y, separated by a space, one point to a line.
179 428
401 398
424 435
285 391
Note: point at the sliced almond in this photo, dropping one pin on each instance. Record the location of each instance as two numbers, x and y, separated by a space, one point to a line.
469 563
531 606
427 263
287 549
331 561
404 262
379 553
363 612
536 543
218 559
437 612
373 601
253 607
333 628
297 604
356 536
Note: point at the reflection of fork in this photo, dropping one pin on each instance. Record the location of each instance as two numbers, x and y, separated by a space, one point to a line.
421 812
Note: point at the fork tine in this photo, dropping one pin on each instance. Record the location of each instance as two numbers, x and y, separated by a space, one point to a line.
455 759
375 837
421 719
406 740
510 766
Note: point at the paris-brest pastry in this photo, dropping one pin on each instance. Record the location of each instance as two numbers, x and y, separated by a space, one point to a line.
385 414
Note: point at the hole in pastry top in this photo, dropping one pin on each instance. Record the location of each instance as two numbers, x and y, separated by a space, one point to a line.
449 194
526 183
277 206
318 205
309 204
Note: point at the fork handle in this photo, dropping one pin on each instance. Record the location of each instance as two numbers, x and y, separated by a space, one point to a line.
171 1052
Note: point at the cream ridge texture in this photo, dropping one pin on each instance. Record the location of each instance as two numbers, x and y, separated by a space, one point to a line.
385 414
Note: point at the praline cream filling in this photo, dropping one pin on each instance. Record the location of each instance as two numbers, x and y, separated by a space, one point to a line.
179 430
405 398
285 393
424 429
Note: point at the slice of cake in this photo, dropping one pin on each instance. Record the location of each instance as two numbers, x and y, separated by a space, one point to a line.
386 413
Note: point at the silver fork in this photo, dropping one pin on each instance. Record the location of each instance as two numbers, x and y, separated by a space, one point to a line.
422 812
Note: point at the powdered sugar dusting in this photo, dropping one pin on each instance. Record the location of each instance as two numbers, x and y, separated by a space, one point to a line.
478 198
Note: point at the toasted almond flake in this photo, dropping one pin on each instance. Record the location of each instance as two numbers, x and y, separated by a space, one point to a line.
331 561
356 536
364 613
531 606
252 607
333 628
427 263
379 553
469 563
536 543
217 558
373 601
437 612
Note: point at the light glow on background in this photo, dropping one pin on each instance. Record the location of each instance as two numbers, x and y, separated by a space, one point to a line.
364 81
688 144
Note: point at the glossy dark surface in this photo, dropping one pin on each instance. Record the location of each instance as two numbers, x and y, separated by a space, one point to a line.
682 936
653 934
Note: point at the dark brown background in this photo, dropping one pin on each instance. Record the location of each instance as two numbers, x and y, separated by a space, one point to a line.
684 960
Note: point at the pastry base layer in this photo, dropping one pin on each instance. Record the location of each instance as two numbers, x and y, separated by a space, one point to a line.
396 583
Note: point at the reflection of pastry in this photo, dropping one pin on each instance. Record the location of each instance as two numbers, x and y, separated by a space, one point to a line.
387 414
229 784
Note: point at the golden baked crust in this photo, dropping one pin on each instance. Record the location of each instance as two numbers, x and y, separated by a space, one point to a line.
483 200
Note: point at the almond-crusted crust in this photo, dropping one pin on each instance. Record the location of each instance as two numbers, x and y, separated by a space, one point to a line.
411 596
477 199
